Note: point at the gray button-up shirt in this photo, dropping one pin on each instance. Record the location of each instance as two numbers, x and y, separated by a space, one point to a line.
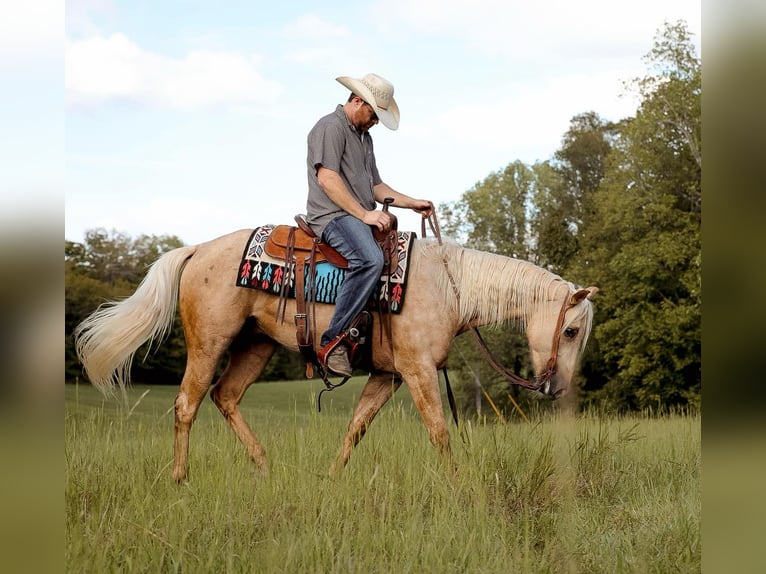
336 144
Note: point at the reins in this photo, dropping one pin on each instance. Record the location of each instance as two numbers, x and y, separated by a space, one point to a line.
539 381
511 377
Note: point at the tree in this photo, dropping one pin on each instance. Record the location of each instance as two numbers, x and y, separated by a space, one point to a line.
581 158
111 256
492 216
618 206
565 188
642 245
108 266
82 295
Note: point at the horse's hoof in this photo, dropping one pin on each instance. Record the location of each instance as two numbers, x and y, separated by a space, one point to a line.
336 470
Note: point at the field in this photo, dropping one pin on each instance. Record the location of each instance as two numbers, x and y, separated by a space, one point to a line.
562 494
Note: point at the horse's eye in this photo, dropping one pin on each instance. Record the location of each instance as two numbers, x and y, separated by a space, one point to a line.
570 332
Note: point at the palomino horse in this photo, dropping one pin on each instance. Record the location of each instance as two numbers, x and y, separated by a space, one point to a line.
450 289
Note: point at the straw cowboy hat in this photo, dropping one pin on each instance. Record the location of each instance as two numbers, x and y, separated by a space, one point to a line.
379 93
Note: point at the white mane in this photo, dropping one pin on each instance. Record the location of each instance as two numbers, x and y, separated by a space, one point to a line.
492 286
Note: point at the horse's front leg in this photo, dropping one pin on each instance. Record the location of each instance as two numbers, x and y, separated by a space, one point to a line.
379 388
424 388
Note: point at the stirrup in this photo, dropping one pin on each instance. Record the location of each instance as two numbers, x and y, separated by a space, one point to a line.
354 337
325 372
326 350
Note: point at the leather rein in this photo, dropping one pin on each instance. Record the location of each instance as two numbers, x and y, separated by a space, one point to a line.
511 377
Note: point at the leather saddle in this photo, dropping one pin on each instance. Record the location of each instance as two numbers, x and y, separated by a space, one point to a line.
299 248
286 242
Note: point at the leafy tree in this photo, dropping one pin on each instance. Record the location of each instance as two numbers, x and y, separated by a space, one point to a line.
553 228
103 256
108 266
642 244
82 295
581 159
492 216
565 188
110 255
618 206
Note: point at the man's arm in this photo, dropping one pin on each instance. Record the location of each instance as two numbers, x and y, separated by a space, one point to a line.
422 206
335 188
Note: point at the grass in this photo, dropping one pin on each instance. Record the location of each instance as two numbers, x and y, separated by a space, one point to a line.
581 494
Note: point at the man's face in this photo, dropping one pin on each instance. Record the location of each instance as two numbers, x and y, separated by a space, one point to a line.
365 116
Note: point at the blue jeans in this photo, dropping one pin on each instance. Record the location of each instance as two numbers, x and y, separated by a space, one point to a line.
353 239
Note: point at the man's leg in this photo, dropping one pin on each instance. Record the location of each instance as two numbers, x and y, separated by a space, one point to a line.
353 239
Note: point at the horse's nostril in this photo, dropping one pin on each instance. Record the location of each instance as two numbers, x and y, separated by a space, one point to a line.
559 393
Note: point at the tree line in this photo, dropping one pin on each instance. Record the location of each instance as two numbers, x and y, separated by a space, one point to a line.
108 265
618 206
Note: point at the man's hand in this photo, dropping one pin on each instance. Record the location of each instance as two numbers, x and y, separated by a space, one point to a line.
380 219
423 207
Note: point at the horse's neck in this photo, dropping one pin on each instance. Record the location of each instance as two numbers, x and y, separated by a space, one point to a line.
496 289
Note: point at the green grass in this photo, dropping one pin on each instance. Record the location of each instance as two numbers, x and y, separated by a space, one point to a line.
562 494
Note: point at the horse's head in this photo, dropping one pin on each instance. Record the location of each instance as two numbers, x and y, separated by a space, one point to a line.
557 333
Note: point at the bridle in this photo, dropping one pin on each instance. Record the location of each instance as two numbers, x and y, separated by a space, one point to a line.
550 367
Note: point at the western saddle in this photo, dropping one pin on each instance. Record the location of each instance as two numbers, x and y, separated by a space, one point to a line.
300 248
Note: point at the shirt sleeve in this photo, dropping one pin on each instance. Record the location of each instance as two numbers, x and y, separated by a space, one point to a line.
325 146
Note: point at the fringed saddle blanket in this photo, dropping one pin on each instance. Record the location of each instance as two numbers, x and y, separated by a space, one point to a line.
260 271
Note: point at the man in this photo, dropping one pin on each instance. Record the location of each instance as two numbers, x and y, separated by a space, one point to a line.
344 187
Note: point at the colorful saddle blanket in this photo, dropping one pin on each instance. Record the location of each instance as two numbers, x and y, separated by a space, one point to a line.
260 271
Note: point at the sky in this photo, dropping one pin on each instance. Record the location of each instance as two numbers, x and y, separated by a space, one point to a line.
190 118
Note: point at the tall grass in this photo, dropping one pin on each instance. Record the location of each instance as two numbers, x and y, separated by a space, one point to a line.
581 494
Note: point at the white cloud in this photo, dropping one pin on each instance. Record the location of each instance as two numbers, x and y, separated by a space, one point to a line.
519 120
115 68
313 40
30 31
313 26
80 15
522 30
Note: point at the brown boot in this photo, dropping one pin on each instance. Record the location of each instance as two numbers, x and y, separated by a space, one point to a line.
337 361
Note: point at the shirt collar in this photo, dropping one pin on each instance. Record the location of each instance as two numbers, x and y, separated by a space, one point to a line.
342 113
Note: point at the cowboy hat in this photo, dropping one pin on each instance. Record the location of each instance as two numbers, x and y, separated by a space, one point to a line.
379 93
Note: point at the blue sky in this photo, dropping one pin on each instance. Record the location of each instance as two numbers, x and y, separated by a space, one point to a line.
190 118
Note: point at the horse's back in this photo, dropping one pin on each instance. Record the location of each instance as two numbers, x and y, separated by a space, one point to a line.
235 240
222 253
213 268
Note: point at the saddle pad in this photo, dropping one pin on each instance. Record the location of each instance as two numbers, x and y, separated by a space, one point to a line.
258 270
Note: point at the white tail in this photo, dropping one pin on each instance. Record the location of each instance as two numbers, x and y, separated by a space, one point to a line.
107 340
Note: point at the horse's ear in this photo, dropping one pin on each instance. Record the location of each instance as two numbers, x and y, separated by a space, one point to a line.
581 294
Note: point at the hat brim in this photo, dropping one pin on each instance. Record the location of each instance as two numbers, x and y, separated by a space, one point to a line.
389 117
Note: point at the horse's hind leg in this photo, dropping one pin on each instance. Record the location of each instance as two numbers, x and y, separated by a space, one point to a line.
379 388
200 368
248 358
